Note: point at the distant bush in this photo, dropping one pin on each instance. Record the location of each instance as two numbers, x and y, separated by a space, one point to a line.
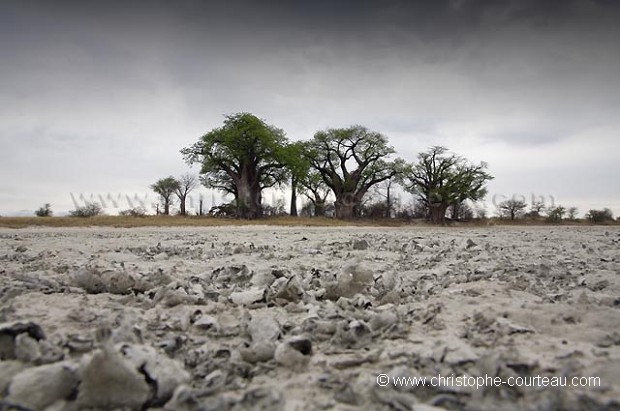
375 210
600 216
555 214
88 210
45 211
224 210
133 212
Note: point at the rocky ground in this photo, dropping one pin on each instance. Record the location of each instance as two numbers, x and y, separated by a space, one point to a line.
267 318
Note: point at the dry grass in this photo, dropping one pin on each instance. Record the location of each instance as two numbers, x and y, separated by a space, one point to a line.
176 221
193 221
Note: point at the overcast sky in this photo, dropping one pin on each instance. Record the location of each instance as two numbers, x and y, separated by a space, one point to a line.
98 97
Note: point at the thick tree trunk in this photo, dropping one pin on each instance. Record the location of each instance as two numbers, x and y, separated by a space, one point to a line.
248 201
319 208
182 205
346 206
294 197
166 206
438 213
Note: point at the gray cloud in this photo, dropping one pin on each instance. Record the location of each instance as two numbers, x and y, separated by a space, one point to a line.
100 96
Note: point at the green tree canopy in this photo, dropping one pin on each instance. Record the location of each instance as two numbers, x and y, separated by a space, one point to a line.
166 187
243 157
442 179
350 161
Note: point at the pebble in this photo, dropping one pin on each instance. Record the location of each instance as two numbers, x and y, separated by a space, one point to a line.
38 387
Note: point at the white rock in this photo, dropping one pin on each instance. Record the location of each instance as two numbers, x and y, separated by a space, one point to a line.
110 381
258 352
38 387
27 348
183 399
359 273
248 297
294 353
262 279
89 280
8 369
207 322
353 279
117 282
167 373
263 327
382 320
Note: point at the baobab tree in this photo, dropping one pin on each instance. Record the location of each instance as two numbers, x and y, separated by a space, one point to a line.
243 157
350 161
186 183
441 179
512 208
166 187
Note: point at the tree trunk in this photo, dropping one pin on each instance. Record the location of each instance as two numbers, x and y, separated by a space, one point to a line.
293 197
248 201
389 202
182 205
167 206
456 211
319 208
345 206
438 213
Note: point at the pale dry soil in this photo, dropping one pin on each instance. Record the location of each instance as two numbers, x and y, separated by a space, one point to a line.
228 315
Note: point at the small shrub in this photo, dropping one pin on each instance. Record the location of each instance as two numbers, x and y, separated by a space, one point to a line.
88 210
224 210
555 214
600 216
133 212
45 211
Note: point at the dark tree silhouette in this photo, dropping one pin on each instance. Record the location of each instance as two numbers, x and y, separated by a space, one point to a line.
442 179
187 182
350 161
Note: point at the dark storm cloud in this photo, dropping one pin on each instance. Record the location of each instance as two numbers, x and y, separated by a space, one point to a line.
124 85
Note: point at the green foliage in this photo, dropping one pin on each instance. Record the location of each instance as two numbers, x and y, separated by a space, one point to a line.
87 210
555 214
350 161
600 216
45 211
442 179
166 187
243 157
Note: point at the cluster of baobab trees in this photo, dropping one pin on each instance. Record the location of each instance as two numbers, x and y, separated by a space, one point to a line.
246 155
